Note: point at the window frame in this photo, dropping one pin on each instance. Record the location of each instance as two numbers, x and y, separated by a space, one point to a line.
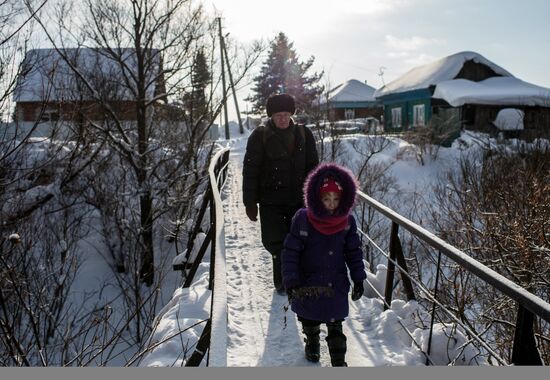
396 117
416 115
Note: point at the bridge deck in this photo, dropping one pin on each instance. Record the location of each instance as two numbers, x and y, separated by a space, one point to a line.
257 334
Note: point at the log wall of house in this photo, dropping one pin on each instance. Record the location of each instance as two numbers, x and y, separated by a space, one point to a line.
475 71
340 113
33 111
536 121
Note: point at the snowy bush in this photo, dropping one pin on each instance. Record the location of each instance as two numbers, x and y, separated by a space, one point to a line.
448 346
375 281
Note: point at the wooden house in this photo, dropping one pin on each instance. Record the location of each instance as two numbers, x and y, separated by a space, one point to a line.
50 95
463 90
351 100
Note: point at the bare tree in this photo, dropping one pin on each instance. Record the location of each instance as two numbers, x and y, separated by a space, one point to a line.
375 180
152 46
135 174
428 139
496 209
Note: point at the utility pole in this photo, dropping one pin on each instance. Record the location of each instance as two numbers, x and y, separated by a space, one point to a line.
247 118
224 97
241 129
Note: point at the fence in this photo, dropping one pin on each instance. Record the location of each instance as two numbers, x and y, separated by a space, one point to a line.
216 325
529 306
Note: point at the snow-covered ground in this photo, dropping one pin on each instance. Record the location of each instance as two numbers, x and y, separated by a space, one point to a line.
262 332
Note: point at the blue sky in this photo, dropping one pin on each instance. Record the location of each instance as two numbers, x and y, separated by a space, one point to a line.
354 39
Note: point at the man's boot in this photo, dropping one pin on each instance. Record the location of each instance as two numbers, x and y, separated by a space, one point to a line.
337 346
313 345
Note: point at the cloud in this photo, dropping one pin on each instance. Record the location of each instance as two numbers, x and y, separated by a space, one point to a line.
413 43
420 59
414 59
398 54
372 6
401 62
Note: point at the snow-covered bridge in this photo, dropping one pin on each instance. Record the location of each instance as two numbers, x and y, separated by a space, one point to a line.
249 325
261 331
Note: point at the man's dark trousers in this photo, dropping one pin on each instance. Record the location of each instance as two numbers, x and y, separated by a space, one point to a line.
275 222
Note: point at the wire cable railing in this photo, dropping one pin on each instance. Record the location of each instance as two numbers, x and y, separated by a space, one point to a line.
431 298
524 350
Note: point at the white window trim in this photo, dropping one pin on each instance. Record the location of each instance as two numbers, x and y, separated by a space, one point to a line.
419 115
396 117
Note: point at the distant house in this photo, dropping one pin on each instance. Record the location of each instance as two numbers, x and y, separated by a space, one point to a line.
463 90
49 92
351 100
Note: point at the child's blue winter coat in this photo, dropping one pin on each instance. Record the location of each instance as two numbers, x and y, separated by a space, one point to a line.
313 260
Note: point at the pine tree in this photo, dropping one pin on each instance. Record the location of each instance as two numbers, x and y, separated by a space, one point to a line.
195 100
282 72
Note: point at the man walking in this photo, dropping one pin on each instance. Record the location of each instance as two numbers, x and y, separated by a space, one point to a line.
278 158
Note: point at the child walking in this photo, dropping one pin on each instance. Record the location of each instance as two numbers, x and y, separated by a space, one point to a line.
318 251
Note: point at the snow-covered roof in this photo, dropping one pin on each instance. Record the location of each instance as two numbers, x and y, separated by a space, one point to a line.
493 91
350 91
509 119
444 69
47 76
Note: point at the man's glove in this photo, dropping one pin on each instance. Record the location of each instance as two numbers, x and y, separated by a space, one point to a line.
357 291
290 295
252 212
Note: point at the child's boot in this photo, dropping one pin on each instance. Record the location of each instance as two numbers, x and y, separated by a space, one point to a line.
312 349
337 347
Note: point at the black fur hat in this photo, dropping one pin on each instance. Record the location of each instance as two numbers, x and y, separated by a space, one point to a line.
280 103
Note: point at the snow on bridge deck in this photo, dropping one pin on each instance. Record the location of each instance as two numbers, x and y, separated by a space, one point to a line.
261 333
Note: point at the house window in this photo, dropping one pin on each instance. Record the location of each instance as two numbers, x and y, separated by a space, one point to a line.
418 115
349 113
49 115
396 117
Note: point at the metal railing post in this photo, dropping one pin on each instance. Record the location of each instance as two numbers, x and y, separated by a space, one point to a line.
205 202
391 270
201 348
433 307
524 351
397 249
195 264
